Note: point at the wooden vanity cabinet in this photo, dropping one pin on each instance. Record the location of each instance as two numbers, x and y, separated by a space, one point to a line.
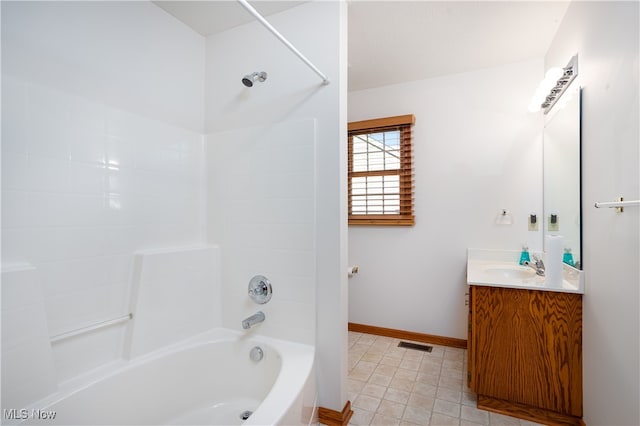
525 353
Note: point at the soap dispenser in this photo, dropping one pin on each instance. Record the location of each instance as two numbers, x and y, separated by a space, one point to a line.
524 255
567 257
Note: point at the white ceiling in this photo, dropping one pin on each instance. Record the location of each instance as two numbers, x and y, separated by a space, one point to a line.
395 41
213 16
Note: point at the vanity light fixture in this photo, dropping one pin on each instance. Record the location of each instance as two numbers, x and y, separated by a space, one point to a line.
556 81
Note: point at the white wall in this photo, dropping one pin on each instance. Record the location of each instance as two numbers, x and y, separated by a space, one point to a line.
261 183
292 94
175 295
477 151
134 57
605 35
102 114
28 372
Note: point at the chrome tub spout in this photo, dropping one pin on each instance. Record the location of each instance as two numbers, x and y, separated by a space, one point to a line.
254 319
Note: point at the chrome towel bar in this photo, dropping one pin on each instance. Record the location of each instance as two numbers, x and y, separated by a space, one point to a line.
619 205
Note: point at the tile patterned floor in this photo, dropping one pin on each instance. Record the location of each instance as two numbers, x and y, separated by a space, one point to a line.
389 385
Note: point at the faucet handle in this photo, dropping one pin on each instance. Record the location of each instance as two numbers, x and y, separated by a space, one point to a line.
538 261
260 290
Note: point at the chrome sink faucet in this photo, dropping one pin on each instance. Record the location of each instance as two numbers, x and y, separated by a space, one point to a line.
254 319
537 265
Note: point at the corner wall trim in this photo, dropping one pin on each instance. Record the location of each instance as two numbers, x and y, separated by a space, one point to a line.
409 335
335 418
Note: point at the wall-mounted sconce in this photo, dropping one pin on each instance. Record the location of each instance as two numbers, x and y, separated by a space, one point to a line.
555 82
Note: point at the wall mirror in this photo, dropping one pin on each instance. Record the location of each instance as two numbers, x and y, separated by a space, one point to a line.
561 172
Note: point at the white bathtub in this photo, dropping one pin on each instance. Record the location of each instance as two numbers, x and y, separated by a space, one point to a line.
206 380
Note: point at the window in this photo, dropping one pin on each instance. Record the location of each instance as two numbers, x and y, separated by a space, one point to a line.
381 171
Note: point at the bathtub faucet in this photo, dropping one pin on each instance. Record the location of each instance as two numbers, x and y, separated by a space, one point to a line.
253 320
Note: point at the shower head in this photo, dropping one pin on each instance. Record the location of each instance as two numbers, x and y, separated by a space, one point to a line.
249 79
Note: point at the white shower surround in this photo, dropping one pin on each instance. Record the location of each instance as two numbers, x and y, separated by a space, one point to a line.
103 153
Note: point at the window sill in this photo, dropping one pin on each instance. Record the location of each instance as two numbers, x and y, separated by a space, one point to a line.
382 222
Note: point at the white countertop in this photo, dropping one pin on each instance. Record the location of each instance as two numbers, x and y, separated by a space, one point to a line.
500 268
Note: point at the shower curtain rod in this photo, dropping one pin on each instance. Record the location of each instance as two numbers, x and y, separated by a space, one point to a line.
267 25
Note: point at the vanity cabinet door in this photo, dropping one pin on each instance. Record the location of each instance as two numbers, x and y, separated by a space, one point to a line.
527 347
470 351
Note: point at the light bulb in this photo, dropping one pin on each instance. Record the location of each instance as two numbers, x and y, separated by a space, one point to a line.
554 74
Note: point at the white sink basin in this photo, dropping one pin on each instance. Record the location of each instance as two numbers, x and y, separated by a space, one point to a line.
500 268
514 272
